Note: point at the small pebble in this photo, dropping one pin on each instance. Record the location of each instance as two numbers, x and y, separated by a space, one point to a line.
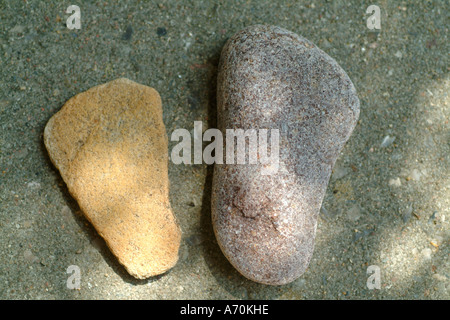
128 33
161 31
434 243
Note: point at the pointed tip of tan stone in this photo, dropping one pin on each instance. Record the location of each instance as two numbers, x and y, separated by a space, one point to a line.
110 145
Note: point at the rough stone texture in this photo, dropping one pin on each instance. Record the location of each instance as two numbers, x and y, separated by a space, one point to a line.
110 146
271 78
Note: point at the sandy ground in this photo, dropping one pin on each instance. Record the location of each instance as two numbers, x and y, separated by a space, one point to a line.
387 203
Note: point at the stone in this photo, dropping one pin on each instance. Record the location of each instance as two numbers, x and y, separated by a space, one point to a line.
111 148
271 78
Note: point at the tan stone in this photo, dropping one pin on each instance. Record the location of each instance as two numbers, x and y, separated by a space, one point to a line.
111 148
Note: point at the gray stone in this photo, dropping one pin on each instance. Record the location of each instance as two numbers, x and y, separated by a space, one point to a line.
270 78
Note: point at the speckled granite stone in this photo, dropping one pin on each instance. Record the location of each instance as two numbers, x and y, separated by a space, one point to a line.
110 146
272 78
